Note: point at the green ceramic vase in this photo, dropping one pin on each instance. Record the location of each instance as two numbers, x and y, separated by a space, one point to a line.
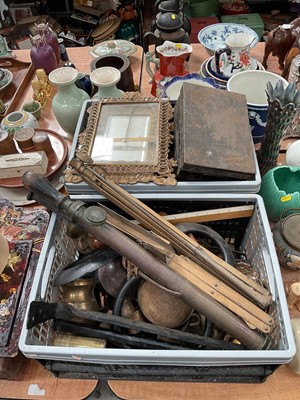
68 101
106 79
280 190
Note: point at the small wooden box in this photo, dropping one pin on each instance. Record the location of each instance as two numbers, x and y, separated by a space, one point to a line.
15 165
212 133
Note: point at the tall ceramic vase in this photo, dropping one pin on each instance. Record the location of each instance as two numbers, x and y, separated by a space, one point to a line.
68 101
106 79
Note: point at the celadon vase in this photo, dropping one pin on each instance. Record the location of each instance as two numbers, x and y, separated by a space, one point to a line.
68 101
106 79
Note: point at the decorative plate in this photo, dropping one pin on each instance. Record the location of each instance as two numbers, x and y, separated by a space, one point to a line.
5 79
117 46
212 37
173 87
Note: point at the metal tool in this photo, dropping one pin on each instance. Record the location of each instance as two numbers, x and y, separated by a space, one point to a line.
40 311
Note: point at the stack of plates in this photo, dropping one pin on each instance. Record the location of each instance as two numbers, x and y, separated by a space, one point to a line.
172 87
208 70
105 30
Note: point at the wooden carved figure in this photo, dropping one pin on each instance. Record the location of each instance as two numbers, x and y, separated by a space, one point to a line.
280 41
294 51
39 93
42 77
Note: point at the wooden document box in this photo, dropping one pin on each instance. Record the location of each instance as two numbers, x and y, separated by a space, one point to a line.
212 134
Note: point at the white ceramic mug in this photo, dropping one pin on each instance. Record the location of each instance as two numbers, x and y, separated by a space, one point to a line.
253 85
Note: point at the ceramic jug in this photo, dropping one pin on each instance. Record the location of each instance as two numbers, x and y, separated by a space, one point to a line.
170 63
235 57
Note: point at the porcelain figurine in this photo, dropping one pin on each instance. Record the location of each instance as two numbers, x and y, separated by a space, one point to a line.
4 50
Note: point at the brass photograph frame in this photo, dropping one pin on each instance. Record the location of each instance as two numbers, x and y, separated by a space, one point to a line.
161 172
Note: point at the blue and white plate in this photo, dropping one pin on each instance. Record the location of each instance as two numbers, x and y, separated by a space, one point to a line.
212 37
172 88
204 73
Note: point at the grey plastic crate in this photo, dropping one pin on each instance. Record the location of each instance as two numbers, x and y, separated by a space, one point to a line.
82 191
252 236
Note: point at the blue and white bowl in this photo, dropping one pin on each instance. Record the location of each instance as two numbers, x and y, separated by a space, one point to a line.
171 89
212 37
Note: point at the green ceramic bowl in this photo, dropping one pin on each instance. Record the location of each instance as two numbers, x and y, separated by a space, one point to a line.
33 107
280 189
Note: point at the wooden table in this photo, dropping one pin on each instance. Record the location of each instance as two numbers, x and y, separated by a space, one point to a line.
282 384
81 58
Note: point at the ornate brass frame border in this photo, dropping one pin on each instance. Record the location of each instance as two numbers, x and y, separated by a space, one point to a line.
161 174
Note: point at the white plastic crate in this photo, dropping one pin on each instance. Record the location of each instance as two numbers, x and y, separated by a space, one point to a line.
82 191
252 236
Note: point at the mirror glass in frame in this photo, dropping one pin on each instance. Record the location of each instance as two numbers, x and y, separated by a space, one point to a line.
127 133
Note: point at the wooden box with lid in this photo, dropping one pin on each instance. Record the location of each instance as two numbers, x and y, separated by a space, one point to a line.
212 134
